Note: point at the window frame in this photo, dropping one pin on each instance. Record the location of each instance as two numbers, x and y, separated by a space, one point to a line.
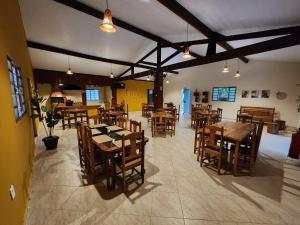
90 94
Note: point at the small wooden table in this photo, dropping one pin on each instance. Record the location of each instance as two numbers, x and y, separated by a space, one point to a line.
110 148
236 132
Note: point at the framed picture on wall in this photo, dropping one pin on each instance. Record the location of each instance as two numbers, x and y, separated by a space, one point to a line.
254 93
265 93
245 93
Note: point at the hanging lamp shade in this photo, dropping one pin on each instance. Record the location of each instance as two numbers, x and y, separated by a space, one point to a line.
69 71
107 23
237 74
225 69
186 53
111 75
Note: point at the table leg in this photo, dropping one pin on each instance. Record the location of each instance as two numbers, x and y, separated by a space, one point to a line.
236 155
253 152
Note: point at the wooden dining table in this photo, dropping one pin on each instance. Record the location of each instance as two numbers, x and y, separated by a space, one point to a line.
109 142
236 132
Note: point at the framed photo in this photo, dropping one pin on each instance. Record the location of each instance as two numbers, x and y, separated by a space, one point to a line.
245 93
254 93
265 93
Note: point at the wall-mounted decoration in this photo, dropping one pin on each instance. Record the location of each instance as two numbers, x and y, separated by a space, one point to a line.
225 94
265 93
281 95
16 87
245 93
254 93
197 95
205 96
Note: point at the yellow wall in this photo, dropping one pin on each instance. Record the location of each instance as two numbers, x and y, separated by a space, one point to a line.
134 94
16 138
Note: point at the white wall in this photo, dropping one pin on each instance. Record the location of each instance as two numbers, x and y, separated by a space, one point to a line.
256 75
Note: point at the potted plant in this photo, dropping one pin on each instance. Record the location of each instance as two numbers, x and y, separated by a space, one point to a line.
50 115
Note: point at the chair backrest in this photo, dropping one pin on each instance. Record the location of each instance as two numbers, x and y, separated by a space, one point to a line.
219 111
160 119
89 147
135 126
212 141
198 105
209 107
244 118
122 122
258 135
79 134
134 149
201 122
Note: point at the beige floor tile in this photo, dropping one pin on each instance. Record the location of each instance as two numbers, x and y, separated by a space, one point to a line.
201 222
165 184
196 207
166 205
46 217
166 221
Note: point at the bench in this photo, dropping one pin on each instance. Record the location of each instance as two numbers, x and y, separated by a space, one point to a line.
259 113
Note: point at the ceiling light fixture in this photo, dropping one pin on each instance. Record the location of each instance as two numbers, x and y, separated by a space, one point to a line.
111 73
61 84
186 50
148 78
225 69
107 23
69 71
237 74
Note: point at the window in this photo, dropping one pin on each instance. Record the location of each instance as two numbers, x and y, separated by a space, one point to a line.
92 95
16 87
226 94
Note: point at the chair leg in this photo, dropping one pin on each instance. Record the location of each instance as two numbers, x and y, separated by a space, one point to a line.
219 164
124 181
201 158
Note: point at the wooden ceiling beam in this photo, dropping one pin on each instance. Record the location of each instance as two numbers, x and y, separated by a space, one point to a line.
99 15
238 37
274 44
49 48
171 56
184 14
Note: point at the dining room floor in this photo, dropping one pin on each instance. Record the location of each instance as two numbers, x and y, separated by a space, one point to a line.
176 191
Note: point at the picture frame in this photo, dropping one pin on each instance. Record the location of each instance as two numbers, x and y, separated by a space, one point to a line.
265 93
254 93
245 93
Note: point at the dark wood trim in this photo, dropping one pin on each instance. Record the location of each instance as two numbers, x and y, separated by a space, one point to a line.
98 14
49 48
136 75
55 77
237 37
184 14
148 63
158 81
277 43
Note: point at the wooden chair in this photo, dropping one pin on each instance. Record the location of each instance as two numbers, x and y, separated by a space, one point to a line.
66 117
93 159
159 125
244 118
248 152
171 123
132 157
213 146
219 113
200 123
209 107
122 122
80 134
198 105
135 126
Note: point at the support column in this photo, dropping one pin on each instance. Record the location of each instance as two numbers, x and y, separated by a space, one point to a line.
158 81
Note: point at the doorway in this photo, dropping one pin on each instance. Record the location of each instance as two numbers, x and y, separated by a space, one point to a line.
150 96
185 100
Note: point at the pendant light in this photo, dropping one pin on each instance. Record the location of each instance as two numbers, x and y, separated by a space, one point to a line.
225 69
237 74
186 50
148 78
69 71
111 73
107 23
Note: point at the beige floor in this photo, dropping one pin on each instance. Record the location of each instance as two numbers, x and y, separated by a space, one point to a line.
177 190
